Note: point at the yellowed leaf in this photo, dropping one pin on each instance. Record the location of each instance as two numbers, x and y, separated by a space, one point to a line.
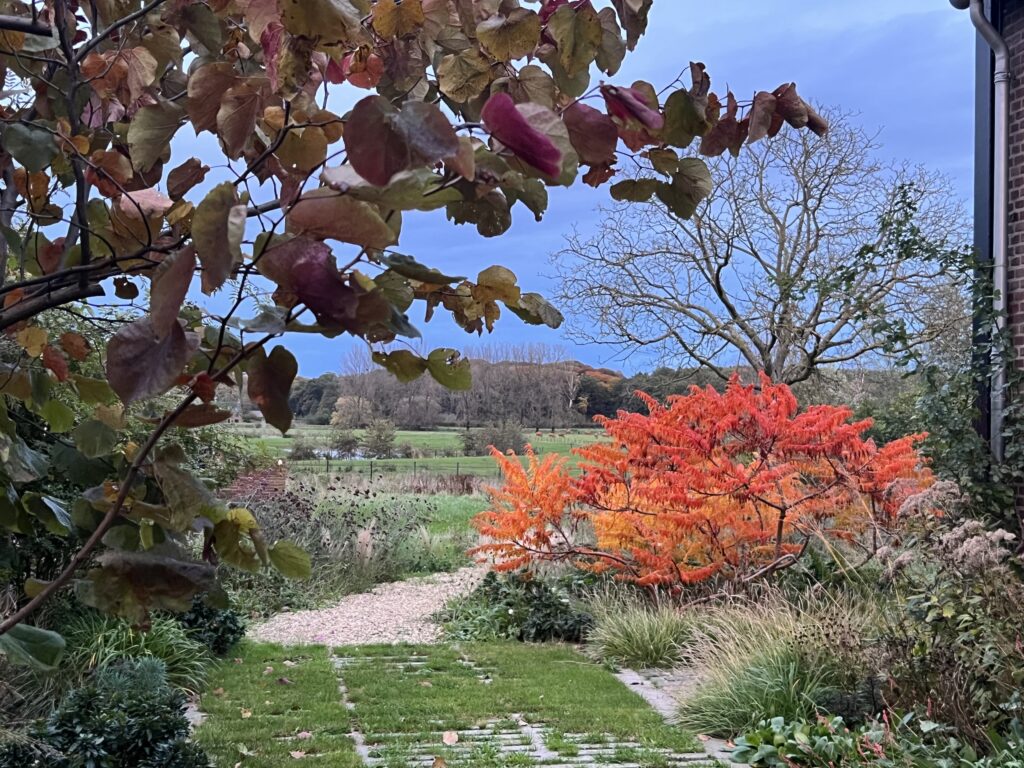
32 339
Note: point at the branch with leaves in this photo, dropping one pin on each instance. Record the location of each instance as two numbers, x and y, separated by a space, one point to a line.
474 109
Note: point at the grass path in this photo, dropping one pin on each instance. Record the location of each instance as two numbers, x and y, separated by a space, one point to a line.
495 705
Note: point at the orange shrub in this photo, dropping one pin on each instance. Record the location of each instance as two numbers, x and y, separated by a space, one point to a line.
732 483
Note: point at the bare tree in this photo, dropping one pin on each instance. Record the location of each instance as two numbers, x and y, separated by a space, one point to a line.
810 253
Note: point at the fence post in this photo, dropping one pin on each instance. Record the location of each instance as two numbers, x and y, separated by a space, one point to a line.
371 469
456 469
327 461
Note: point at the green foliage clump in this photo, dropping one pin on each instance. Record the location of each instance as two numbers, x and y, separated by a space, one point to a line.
505 436
302 450
95 641
636 634
777 659
908 743
355 538
219 629
344 442
128 714
956 641
517 606
379 439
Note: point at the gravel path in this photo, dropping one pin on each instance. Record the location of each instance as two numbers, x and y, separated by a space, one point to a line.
398 612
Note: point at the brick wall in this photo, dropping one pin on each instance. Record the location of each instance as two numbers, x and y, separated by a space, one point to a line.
1013 33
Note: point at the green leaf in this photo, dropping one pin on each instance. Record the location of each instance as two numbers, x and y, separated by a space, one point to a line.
407 266
30 145
690 184
131 584
402 364
269 319
185 494
30 646
578 34
331 21
93 438
93 391
536 310
49 511
291 561
217 229
684 119
634 190
510 37
449 369
150 132
58 416
464 76
23 464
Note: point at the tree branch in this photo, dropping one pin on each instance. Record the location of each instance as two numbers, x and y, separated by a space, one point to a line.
28 26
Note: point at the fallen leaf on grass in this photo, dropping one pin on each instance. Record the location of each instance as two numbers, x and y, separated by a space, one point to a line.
284 681
426 684
450 738
219 691
304 735
237 660
297 754
439 763
246 713
268 670
290 663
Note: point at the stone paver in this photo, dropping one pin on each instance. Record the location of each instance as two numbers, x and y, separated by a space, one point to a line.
665 690
421 750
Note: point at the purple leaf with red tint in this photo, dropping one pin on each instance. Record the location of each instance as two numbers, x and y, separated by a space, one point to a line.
592 133
629 103
318 284
381 140
507 125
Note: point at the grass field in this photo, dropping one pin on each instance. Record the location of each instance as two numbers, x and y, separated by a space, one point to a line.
439 449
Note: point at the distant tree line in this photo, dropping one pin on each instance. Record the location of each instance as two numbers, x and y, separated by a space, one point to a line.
531 385
537 388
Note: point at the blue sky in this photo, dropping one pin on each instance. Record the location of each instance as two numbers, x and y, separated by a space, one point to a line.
905 67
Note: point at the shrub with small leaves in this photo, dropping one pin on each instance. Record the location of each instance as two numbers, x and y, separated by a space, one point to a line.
517 607
126 715
219 629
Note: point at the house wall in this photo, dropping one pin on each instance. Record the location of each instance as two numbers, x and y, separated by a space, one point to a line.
1013 33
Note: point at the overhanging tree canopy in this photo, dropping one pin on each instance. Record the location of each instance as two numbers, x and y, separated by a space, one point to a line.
475 106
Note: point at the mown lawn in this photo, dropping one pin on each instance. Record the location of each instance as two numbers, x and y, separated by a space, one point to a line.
277 705
269 702
433 444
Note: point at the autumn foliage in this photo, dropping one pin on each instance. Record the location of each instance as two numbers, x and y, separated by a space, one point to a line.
733 484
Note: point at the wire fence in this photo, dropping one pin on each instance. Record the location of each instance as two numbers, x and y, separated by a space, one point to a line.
474 466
